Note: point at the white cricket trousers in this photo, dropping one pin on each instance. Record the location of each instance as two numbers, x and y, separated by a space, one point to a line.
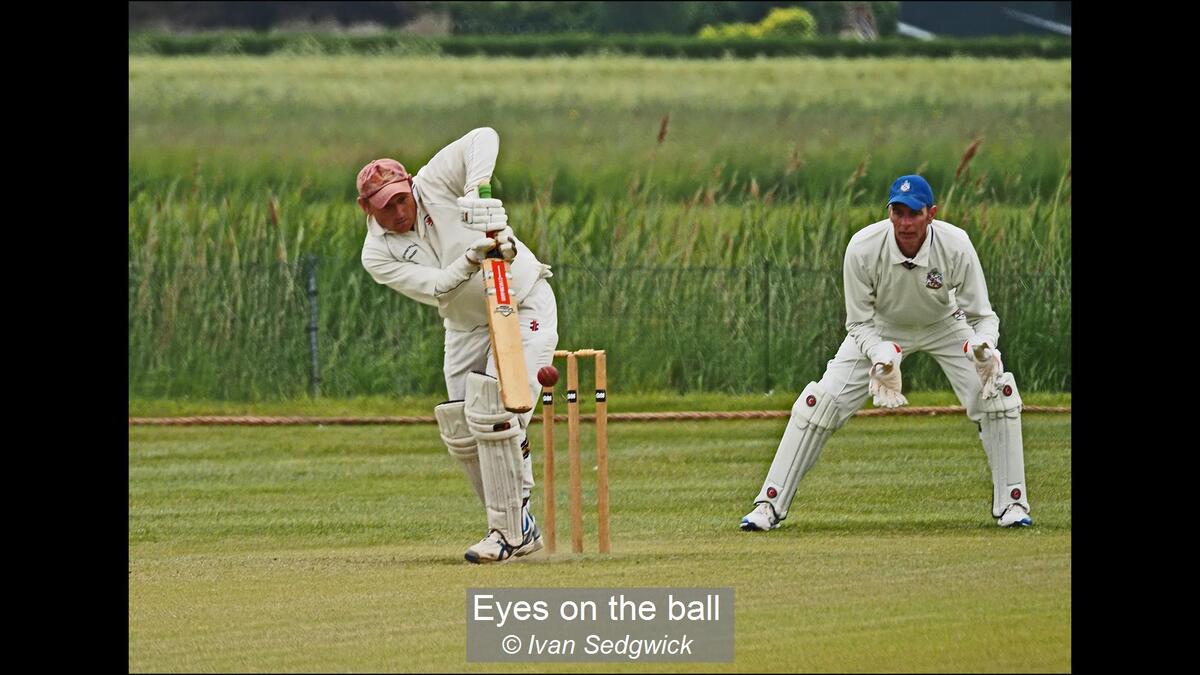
822 409
847 375
468 351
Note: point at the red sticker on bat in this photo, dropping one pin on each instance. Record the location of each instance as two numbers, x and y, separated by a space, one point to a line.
501 281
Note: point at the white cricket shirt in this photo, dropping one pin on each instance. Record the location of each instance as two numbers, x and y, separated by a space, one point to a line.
410 262
885 288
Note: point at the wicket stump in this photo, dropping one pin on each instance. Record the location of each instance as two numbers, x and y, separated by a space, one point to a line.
601 377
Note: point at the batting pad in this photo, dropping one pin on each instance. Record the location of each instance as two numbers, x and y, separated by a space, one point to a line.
1000 431
814 418
452 425
498 435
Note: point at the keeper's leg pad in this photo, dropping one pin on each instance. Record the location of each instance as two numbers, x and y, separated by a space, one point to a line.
498 434
452 425
814 418
1000 431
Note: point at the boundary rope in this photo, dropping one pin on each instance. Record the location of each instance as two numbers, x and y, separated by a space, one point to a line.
216 420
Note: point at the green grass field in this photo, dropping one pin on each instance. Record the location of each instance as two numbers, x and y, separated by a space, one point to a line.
572 125
618 402
340 548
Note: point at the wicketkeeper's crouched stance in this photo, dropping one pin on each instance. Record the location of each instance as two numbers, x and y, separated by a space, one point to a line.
427 235
913 284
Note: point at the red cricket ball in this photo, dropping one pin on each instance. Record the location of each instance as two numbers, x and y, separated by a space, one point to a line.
547 376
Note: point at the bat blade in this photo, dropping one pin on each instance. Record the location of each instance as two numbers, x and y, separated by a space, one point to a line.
504 328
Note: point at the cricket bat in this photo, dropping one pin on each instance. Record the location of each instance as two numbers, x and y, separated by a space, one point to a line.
504 328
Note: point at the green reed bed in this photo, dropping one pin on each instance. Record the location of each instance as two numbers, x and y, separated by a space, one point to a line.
696 212
734 295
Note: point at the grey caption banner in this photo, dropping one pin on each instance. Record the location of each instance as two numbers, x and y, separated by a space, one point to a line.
599 624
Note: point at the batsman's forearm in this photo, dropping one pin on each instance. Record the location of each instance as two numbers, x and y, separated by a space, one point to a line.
454 275
479 156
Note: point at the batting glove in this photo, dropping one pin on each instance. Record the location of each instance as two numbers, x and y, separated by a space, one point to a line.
508 245
484 215
478 249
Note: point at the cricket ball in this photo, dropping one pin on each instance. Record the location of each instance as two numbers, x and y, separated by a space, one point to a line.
547 376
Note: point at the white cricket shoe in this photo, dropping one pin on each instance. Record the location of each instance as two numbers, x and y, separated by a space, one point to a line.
492 548
495 548
533 535
1015 514
761 518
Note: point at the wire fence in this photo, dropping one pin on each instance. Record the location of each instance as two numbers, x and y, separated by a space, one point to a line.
322 326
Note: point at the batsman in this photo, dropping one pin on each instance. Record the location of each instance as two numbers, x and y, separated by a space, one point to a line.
439 238
912 284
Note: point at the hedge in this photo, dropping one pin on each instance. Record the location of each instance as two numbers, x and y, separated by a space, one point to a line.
578 44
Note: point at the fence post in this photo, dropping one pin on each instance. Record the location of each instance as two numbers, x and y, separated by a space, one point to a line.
767 324
314 377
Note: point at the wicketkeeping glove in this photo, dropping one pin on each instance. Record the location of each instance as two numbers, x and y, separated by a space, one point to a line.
884 352
986 360
484 215
885 384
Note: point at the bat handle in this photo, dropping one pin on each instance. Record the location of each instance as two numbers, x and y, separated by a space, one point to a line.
485 192
495 252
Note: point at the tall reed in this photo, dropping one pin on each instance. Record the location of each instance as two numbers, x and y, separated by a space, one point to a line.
730 293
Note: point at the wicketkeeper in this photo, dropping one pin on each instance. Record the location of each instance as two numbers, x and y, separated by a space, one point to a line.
913 284
426 238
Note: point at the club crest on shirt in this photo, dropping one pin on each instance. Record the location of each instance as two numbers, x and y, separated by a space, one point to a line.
428 220
933 279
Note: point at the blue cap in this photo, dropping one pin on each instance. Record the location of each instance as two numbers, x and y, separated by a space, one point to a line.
912 191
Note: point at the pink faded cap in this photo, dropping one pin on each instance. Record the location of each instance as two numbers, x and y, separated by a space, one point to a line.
381 179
